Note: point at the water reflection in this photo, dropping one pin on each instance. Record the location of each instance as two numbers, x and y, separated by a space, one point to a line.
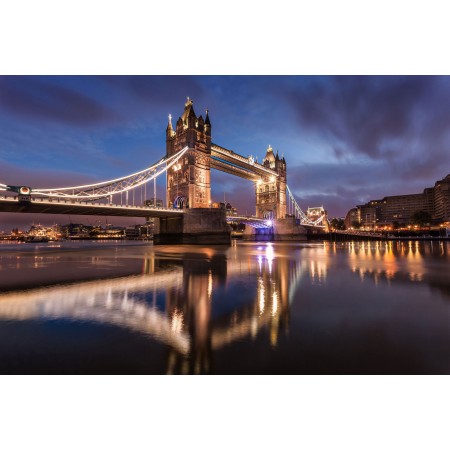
198 301
264 304
172 301
413 261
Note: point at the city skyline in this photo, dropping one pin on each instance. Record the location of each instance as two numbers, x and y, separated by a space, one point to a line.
346 139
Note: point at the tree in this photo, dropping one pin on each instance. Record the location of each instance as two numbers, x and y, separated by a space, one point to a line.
421 218
341 224
334 223
337 224
395 225
356 224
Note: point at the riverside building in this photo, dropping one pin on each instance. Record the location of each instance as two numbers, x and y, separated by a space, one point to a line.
400 208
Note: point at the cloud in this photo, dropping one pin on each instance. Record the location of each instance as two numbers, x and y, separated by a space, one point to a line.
21 175
39 99
373 116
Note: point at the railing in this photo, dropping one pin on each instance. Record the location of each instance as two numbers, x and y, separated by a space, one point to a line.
85 203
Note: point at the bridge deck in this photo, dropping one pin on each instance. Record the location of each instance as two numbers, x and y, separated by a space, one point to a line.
47 206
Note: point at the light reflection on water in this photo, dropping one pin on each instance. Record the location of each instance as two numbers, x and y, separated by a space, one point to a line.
250 308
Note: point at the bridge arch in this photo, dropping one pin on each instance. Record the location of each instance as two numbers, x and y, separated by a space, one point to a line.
180 202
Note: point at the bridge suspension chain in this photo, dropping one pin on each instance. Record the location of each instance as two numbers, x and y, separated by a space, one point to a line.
299 214
111 187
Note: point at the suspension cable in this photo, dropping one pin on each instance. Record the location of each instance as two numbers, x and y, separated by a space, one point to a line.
304 220
116 186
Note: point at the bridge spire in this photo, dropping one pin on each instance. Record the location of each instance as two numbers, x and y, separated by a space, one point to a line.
169 129
207 124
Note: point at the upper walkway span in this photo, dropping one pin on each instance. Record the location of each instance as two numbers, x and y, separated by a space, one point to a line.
228 161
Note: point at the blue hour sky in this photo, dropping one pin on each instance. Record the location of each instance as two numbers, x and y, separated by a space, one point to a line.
346 139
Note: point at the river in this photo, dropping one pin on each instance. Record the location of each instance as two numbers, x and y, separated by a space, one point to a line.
269 308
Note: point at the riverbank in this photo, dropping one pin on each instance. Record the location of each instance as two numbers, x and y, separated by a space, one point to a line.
346 237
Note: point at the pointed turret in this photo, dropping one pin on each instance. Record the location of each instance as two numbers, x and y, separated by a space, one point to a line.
189 118
207 124
179 122
200 123
269 159
169 130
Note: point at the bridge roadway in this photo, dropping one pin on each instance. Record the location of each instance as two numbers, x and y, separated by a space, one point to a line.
56 206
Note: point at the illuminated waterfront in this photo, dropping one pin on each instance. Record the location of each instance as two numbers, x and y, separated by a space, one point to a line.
353 307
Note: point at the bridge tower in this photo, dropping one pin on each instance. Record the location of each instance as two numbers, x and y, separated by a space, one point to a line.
189 181
271 190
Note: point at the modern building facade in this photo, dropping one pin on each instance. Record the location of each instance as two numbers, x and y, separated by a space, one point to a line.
400 208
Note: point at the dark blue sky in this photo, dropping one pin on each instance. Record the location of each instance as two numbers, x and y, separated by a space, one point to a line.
346 139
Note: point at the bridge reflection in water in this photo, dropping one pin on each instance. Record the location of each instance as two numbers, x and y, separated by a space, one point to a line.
197 301
185 321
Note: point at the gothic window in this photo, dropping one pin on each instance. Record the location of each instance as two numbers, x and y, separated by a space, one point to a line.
267 188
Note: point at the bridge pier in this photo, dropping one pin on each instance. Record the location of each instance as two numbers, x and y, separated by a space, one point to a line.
205 226
281 230
289 230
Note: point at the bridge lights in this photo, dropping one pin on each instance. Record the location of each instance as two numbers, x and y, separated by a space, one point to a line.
176 168
269 223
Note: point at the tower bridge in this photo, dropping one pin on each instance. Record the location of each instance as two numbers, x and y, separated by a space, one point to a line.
188 216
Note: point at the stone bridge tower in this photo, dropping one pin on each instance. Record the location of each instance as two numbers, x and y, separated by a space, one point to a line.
189 181
271 190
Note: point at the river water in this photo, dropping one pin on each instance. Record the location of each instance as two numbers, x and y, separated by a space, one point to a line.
269 308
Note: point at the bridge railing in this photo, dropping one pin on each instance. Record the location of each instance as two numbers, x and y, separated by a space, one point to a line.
87 203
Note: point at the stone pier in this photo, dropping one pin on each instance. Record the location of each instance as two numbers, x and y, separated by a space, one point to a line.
282 230
205 226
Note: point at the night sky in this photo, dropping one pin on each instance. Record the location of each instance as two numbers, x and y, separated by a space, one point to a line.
346 139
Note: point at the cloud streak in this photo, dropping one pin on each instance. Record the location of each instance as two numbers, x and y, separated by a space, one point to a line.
42 99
